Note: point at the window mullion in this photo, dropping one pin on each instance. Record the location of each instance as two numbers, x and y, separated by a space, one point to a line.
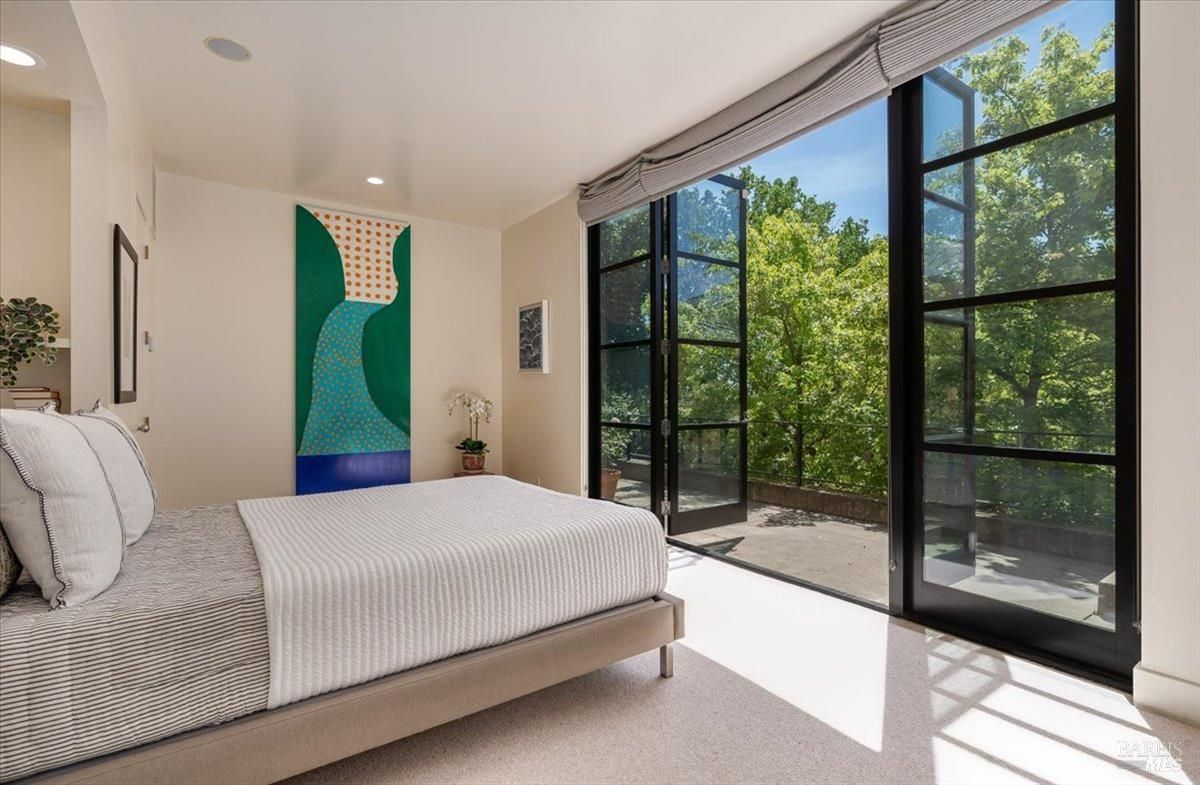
1023 137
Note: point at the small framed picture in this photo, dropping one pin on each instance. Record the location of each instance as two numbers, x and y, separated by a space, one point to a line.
533 338
125 303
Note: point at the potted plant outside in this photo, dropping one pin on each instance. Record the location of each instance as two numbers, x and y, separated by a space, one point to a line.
477 408
613 449
614 443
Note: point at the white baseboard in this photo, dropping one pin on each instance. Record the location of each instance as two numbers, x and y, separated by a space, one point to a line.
1167 695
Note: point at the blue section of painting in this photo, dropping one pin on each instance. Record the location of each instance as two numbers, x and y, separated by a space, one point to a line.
324 473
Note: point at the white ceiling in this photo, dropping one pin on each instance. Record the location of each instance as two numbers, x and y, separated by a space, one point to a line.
49 29
478 113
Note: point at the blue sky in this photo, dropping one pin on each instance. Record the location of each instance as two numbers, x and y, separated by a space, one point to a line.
843 162
846 161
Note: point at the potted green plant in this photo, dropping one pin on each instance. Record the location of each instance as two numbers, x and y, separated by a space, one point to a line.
474 451
613 450
27 333
614 444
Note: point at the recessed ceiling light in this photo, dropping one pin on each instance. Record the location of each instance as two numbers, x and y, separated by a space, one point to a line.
24 58
375 180
227 48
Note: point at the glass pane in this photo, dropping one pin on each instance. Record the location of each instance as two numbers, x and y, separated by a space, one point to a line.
1043 374
1043 214
946 182
709 468
709 303
943 251
708 220
625 304
625 384
1056 65
625 236
709 384
944 101
625 466
1048 546
945 377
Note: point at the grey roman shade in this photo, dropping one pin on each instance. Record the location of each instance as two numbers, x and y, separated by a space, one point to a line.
907 43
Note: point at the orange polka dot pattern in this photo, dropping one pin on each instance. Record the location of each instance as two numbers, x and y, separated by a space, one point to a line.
365 245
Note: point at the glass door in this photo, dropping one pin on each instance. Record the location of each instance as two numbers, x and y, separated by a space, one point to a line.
667 315
706 350
1020 334
625 304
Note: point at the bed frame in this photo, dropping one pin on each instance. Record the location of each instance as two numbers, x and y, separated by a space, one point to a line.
273 745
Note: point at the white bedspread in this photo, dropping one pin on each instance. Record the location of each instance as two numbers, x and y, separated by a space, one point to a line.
360 584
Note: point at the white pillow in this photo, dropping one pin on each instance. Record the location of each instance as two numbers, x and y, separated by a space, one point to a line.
124 466
56 507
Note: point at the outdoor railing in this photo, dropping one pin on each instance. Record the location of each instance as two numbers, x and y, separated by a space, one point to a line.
839 456
845 457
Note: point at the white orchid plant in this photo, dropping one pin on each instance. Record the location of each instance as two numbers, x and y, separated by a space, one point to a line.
478 409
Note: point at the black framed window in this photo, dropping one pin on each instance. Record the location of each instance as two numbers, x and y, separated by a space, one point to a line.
667 302
1014 277
625 301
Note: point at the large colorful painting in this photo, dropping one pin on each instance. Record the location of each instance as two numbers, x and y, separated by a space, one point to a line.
353 328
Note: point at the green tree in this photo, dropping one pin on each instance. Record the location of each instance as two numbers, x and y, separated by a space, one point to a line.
817 324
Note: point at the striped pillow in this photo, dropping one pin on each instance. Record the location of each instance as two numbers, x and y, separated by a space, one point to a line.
124 466
57 508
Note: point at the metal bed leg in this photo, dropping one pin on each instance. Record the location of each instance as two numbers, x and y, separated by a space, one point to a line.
666 660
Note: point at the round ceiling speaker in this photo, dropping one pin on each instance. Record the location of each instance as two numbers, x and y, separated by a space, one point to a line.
227 48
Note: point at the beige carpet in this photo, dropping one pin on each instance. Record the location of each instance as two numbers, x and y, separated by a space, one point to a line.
779 684
709 725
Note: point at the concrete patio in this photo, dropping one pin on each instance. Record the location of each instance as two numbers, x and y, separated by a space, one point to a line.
838 553
852 557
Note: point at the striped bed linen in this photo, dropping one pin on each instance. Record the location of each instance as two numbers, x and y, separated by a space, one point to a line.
360 584
345 587
178 642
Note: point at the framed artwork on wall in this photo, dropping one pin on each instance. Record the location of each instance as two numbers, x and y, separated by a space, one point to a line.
353 350
125 304
533 338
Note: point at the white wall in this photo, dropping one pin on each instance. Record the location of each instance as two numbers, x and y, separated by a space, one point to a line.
111 171
35 215
91 244
35 224
1168 677
223 365
544 414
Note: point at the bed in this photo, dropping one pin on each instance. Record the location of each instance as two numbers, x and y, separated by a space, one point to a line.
249 643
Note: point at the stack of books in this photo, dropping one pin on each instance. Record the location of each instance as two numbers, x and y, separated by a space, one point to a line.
33 397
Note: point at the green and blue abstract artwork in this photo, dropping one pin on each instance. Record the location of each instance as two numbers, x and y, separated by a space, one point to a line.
353 350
